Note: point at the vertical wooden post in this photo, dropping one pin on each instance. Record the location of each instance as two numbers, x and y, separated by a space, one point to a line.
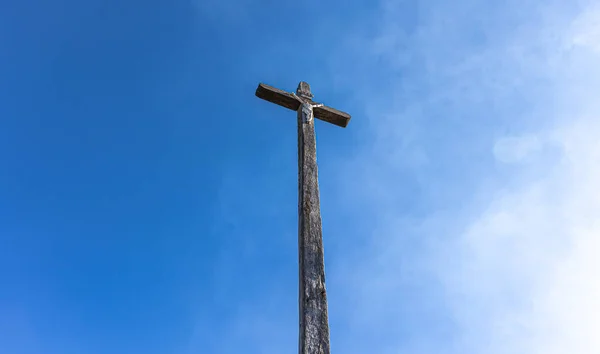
314 326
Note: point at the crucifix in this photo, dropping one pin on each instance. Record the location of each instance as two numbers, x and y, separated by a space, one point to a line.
314 326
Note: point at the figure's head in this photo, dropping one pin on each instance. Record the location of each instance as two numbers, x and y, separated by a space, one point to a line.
304 90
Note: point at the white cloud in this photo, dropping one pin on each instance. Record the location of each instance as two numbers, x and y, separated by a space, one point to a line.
587 30
512 149
528 275
510 262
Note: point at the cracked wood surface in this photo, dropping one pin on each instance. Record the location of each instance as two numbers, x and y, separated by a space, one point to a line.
313 317
314 324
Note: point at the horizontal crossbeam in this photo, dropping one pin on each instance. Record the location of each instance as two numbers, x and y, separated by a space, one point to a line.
289 101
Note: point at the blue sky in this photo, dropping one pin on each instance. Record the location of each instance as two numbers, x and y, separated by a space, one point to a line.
148 199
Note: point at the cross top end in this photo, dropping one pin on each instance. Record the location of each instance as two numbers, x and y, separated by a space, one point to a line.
304 90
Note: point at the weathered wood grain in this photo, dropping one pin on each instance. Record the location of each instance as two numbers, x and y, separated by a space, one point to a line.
314 323
287 100
332 116
313 317
277 96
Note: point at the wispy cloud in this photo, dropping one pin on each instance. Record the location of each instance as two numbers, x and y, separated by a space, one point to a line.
493 121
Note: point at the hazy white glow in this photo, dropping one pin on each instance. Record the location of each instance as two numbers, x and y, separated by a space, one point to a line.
518 262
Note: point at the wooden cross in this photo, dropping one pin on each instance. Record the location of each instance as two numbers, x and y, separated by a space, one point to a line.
314 326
